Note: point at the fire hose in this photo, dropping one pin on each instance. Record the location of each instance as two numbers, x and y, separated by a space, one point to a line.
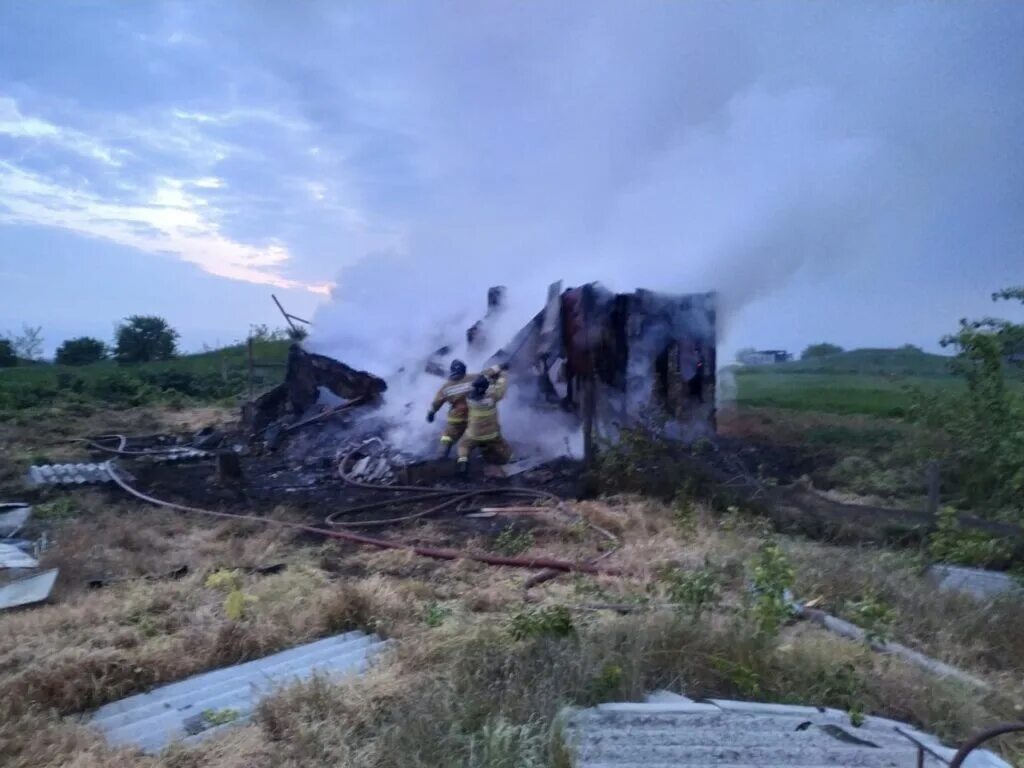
371 541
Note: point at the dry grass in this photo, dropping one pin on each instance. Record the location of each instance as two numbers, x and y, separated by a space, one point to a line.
458 690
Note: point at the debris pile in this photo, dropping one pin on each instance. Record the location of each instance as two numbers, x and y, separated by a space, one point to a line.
18 558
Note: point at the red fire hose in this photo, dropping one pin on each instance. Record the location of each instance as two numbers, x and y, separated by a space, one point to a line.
372 541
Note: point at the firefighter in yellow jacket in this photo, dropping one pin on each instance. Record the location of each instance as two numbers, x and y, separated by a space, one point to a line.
483 430
454 392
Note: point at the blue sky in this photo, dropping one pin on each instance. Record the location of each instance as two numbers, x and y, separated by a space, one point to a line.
850 172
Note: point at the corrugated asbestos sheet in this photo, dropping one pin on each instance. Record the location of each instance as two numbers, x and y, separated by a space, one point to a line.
202 705
670 731
33 589
68 474
978 583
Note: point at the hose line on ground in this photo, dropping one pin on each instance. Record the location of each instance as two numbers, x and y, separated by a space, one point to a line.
356 538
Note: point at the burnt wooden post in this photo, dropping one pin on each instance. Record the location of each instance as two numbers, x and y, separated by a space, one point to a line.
588 423
933 489
229 469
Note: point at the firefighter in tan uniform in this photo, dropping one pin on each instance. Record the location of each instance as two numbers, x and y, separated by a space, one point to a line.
454 392
483 430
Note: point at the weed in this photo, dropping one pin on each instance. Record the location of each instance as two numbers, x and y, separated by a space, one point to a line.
510 542
772 579
951 543
693 591
436 614
230 581
605 685
746 680
220 716
874 616
62 508
501 744
554 621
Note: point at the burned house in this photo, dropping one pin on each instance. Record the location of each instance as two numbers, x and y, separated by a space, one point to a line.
620 359
591 359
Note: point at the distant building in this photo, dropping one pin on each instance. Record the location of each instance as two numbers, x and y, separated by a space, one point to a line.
764 356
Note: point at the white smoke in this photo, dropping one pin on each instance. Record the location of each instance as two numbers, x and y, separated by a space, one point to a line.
682 147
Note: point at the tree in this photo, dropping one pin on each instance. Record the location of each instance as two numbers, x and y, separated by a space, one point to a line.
81 351
28 345
984 426
820 350
141 338
8 358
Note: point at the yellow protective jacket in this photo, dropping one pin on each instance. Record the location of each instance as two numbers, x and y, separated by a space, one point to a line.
454 392
483 413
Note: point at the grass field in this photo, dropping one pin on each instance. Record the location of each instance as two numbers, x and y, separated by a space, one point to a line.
203 377
843 393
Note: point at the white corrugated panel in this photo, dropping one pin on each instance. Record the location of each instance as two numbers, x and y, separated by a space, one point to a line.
195 708
674 731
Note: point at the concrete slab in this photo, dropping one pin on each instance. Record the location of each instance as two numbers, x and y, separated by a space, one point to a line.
27 591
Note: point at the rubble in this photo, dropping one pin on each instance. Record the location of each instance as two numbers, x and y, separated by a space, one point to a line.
650 358
12 556
13 517
307 376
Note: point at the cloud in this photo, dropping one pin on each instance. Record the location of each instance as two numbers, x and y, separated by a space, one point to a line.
34 130
172 219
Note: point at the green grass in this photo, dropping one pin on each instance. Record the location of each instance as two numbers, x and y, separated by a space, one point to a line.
842 393
882 362
205 376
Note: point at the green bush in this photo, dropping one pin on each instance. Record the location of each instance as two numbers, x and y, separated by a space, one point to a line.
81 351
8 357
142 338
982 429
820 350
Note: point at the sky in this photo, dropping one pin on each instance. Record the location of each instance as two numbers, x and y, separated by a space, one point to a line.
845 172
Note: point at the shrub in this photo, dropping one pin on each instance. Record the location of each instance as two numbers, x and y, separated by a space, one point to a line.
820 350
772 579
142 338
81 351
555 621
983 428
8 358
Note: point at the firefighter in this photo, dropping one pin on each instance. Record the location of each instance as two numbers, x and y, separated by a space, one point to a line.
483 430
454 393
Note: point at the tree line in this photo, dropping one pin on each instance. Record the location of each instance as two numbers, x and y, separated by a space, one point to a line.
138 339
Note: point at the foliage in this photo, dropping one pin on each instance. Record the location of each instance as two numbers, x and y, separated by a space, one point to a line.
230 581
28 345
262 333
142 338
81 351
874 616
605 685
61 508
823 349
952 543
693 591
436 614
983 428
503 744
8 358
511 542
553 621
772 579
220 716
